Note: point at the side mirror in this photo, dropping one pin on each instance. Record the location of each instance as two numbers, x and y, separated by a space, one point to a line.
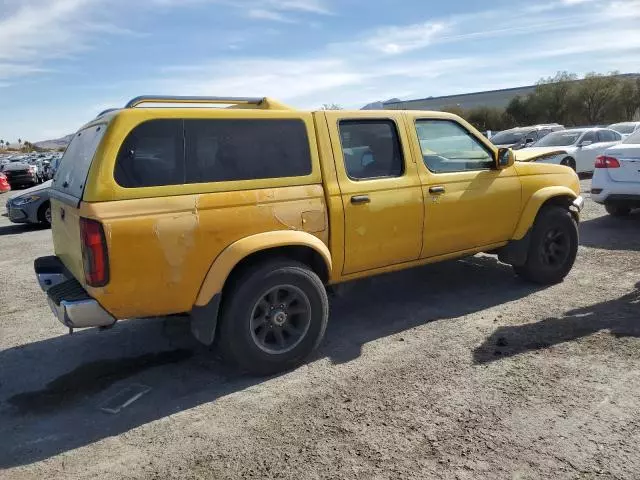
528 141
505 158
586 143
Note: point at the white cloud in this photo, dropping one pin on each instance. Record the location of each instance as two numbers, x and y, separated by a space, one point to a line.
397 40
262 14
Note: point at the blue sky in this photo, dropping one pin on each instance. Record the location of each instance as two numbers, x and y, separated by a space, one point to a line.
61 61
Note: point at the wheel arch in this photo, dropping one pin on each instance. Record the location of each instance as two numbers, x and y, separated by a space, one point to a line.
555 195
296 245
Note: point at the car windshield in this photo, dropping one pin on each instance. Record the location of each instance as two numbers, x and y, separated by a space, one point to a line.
633 138
560 139
507 138
624 128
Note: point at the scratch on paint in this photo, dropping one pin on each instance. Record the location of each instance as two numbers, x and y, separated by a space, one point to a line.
176 237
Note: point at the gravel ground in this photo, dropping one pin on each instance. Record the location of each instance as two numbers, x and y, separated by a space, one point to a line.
456 370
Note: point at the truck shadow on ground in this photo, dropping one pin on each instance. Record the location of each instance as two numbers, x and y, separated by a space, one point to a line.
612 233
50 391
20 228
620 316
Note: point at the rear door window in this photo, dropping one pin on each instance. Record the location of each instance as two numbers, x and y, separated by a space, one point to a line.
219 150
72 172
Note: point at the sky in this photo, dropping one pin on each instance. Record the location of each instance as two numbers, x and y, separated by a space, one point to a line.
63 61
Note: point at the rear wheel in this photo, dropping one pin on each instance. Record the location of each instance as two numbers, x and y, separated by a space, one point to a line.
617 210
273 317
553 246
569 162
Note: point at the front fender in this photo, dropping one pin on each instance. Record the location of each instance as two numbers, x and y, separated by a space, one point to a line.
234 253
532 207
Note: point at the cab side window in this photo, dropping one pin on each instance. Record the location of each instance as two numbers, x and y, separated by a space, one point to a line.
371 149
448 147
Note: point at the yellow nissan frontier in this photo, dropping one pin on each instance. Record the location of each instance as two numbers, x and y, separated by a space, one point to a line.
240 212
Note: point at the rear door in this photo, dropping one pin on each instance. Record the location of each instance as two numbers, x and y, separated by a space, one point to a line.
67 190
380 190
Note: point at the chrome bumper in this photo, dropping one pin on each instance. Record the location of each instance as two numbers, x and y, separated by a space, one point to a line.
578 203
73 313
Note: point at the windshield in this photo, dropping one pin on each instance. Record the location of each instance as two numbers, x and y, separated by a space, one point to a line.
560 139
507 138
74 165
624 128
634 138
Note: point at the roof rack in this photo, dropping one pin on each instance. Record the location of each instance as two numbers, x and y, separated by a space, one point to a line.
261 102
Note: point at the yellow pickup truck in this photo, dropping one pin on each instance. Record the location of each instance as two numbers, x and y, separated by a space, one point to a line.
242 216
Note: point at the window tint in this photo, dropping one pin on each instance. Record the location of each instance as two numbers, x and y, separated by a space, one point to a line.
589 137
174 152
76 161
371 149
224 150
152 155
447 147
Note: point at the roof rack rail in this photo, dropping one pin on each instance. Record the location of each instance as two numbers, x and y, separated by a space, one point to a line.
188 99
104 112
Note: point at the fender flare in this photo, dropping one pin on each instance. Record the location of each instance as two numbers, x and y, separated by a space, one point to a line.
227 260
528 215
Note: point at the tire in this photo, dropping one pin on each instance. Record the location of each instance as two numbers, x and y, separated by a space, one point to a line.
553 247
248 312
617 210
569 162
44 213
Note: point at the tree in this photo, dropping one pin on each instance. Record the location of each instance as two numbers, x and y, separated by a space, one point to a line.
552 98
628 98
595 94
331 106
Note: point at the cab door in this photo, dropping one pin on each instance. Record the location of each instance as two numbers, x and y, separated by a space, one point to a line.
469 203
380 190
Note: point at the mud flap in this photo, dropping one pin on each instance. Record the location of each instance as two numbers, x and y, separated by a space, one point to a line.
516 251
204 321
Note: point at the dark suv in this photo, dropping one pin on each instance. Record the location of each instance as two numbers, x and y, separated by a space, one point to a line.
20 174
522 137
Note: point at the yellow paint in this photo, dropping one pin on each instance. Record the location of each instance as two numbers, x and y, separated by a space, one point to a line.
173 247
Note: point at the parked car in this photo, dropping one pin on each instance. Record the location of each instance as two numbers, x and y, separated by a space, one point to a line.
31 205
20 174
522 137
581 146
616 180
4 184
241 217
625 128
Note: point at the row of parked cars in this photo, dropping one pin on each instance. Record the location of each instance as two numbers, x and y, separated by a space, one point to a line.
612 153
33 170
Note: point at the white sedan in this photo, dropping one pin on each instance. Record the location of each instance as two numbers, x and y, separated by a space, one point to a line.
582 146
616 181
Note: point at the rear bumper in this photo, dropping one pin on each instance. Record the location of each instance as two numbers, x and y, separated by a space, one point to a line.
68 300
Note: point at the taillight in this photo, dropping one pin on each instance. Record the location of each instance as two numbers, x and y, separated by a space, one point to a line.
603 161
94 253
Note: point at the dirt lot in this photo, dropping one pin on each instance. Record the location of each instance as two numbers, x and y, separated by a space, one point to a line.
457 370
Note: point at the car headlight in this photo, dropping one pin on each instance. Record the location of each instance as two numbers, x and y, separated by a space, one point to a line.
24 200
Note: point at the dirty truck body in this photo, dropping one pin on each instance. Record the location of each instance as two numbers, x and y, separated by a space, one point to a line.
242 216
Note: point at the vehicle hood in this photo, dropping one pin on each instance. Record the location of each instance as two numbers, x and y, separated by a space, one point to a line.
537 153
33 190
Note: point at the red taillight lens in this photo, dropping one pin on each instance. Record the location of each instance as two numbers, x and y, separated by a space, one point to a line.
94 253
604 161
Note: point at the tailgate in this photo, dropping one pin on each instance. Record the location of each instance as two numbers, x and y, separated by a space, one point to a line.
65 229
67 190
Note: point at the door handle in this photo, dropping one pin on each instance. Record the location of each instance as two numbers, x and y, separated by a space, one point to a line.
360 199
436 189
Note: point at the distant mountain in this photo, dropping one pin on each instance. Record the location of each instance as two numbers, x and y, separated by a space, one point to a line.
56 143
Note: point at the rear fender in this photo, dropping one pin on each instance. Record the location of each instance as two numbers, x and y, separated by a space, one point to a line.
234 253
536 201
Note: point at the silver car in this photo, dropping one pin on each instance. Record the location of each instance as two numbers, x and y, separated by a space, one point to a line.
31 205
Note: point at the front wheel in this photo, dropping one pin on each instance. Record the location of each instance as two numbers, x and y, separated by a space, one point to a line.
569 162
617 210
553 247
273 318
